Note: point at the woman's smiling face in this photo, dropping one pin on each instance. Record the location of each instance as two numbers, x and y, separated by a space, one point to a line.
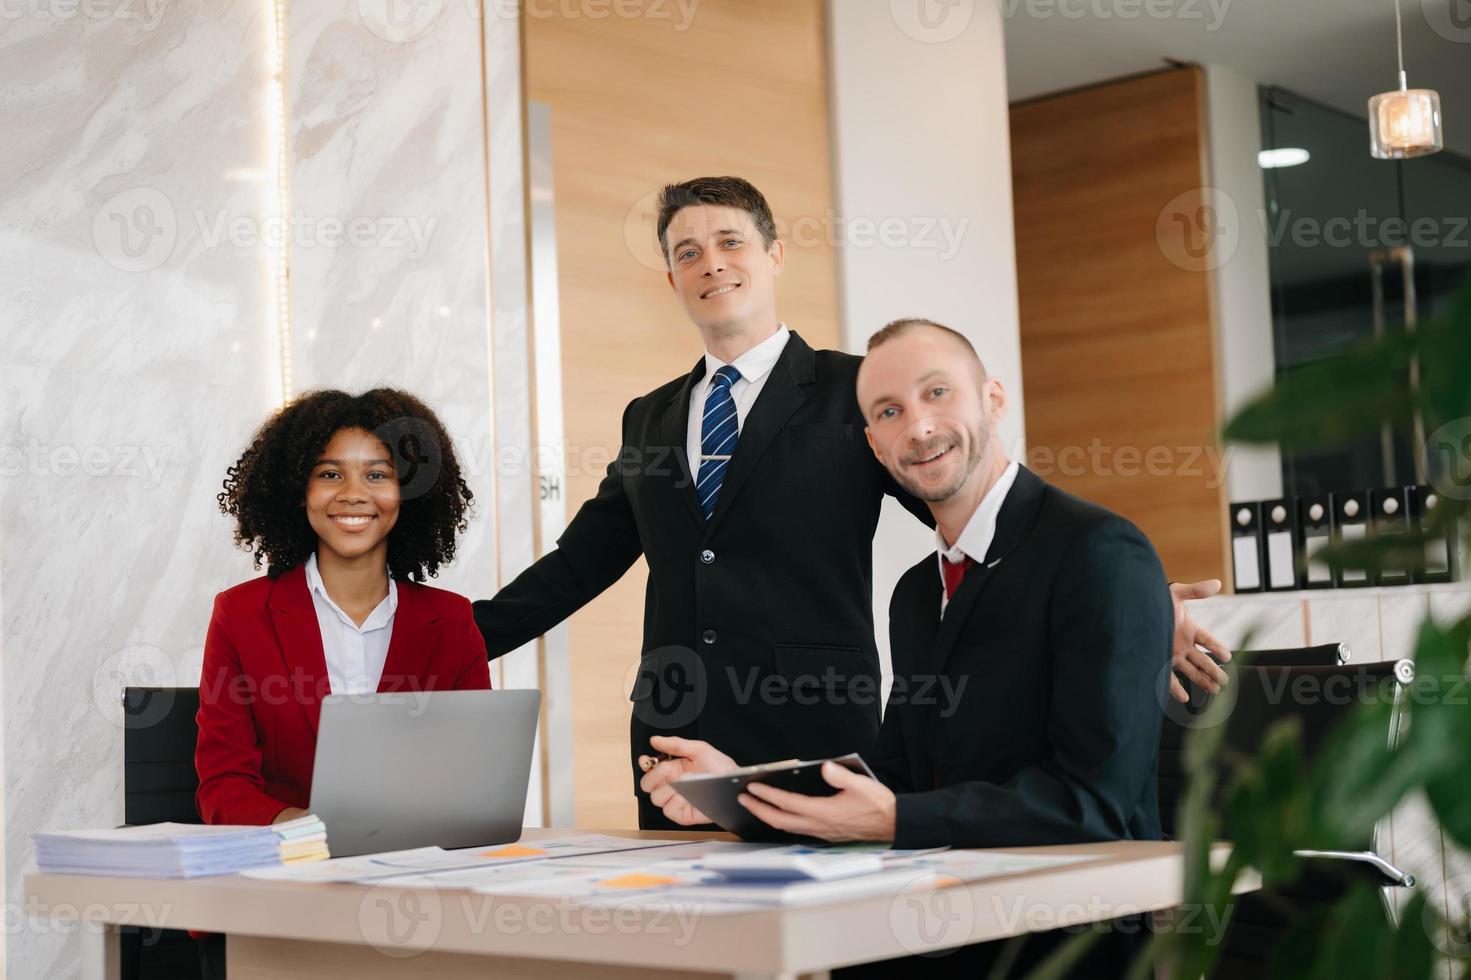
352 494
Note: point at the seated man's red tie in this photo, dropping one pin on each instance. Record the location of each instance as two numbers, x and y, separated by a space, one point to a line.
954 572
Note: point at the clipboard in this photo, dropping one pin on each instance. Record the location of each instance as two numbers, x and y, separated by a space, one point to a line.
715 795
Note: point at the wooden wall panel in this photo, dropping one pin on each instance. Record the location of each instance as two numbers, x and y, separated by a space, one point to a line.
636 103
1118 354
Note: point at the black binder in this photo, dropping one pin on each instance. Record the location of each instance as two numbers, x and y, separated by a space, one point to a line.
1246 547
1391 517
1441 558
1315 532
1280 549
1350 524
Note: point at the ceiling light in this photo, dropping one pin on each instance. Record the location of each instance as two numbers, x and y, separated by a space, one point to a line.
1287 156
1404 123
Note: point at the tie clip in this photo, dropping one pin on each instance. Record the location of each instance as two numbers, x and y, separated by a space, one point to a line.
715 457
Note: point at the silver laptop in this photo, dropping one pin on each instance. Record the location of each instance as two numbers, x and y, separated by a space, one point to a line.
395 771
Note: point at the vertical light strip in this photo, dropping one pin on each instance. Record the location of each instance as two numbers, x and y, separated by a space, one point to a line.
497 666
4 865
281 205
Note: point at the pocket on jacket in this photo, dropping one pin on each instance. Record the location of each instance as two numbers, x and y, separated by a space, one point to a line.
826 667
670 688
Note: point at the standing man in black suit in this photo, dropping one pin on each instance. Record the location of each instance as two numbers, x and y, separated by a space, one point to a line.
1046 615
749 489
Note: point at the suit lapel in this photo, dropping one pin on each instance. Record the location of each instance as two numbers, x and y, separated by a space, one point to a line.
957 611
924 628
412 643
674 434
1013 524
781 396
300 639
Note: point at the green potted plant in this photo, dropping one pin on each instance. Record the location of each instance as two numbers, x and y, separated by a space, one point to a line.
1276 803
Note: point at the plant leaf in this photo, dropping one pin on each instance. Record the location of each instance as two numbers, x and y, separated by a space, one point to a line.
1329 402
1441 722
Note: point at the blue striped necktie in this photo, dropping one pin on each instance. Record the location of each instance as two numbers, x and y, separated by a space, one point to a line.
718 433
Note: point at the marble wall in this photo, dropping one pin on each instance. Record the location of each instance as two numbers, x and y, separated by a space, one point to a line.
138 349
386 135
136 356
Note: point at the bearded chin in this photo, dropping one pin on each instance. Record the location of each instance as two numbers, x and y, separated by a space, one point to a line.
975 447
929 496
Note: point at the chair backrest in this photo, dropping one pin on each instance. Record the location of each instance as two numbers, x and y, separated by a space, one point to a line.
1326 655
159 732
1171 777
1319 696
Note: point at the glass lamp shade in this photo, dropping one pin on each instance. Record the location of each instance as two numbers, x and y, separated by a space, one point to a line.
1405 123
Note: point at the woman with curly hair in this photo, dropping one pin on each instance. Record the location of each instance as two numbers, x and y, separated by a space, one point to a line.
351 501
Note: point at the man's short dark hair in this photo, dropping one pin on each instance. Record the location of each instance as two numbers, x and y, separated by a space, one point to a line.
727 192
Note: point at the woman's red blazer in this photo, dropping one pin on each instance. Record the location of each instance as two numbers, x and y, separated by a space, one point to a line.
265 675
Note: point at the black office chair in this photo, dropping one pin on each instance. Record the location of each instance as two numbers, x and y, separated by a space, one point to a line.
1172 777
159 781
1264 695
1323 655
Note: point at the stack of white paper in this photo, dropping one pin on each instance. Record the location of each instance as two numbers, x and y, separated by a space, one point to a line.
163 850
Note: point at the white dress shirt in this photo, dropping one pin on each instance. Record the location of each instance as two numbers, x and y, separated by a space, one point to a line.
355 654
754 365
975 540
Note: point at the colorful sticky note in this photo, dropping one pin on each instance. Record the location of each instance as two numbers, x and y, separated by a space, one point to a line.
514 851
637 879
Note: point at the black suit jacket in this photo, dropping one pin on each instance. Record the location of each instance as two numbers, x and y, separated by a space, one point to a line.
758 624
1061 640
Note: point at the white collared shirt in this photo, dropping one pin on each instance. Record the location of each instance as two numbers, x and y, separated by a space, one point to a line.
755 366
355 654
975 540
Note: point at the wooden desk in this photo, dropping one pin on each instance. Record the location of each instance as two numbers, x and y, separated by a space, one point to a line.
289 930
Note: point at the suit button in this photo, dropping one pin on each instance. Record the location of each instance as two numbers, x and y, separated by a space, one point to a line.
708 636
707 556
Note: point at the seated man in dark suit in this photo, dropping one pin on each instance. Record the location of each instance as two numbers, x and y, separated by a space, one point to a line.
1029 657
1043 614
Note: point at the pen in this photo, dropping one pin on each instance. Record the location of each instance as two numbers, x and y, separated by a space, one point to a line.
647 762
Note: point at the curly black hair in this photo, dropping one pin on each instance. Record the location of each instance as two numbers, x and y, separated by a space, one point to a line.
265 488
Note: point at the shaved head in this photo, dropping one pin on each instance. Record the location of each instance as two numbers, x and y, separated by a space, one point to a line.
906 325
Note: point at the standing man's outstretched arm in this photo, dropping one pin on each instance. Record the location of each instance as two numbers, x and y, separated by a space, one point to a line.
598 546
